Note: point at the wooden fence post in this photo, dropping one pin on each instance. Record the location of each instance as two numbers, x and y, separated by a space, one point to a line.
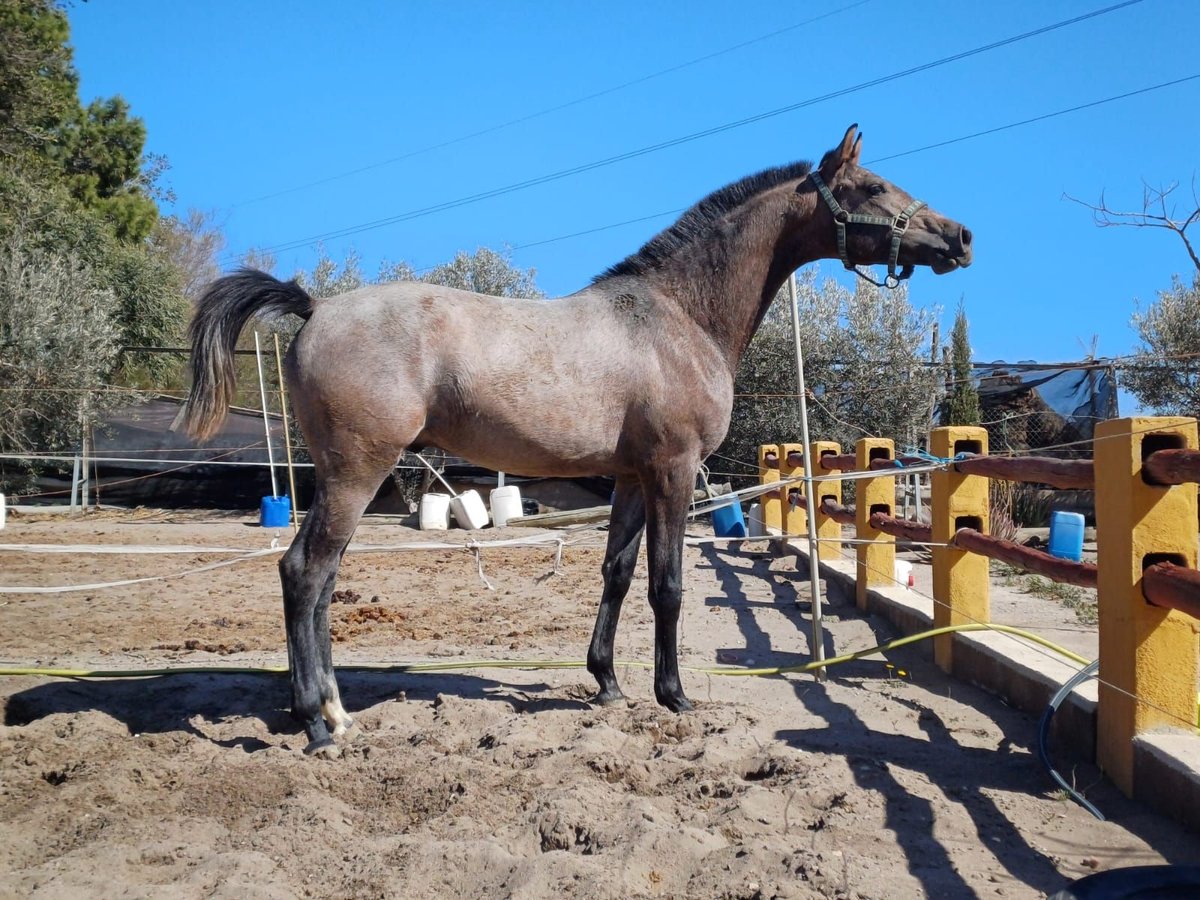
770 505
791 465
877 560
960 578
1148 658
829 531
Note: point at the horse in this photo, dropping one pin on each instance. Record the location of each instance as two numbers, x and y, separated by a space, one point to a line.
630 377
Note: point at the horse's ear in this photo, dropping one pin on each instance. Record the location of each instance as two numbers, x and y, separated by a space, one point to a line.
856 150
846 152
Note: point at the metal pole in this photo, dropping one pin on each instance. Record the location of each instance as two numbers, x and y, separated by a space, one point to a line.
287 431
74 484
810 494
262 391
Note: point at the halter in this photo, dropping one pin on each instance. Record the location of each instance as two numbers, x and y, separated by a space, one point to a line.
897 223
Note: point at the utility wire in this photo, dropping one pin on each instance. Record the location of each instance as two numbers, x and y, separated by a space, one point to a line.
684 139
945 143
551 109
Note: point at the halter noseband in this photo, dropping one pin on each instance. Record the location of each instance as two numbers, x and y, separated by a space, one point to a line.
897 223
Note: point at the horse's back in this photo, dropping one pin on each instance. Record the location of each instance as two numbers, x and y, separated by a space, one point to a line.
538 386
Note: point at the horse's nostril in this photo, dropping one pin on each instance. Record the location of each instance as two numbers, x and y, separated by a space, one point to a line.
966 237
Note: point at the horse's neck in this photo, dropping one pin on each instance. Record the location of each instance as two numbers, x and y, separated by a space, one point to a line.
728 279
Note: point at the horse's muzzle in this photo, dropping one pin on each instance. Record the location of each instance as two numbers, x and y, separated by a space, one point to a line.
958 253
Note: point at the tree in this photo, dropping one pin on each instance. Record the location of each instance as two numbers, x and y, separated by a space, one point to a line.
191 244
99 151
961 406
1157 211
485 272
60 337
863 365
1165 371
38 81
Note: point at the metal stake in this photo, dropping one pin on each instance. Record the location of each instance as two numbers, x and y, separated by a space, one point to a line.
810 494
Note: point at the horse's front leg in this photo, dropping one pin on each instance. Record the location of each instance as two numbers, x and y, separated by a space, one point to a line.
625 527
668 497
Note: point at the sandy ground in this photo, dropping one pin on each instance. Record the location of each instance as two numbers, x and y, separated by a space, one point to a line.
490 782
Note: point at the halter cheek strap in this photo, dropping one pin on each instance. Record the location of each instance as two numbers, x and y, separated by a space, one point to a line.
897 223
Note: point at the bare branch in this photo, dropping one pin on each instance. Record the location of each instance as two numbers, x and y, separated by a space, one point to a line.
1154 213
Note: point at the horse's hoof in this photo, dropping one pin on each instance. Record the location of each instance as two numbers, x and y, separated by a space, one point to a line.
610 698
676 703
325 748
342 728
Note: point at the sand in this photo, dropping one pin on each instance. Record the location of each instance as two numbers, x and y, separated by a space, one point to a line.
490 782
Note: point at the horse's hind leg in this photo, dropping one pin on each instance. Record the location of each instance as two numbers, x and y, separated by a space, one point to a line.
332 710
307 572
624 538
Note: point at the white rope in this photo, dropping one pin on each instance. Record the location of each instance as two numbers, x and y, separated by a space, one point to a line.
474 547
67 588
130 549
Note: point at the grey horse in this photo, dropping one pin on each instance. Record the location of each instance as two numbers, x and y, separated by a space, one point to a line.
630 377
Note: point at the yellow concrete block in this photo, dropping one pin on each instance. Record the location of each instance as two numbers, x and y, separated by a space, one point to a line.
770 504
877 560
791 465
960 579
829 532
1148 656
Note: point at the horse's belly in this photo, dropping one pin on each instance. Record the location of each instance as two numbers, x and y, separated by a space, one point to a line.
563 441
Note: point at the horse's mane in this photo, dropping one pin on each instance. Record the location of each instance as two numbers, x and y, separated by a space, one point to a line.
696 221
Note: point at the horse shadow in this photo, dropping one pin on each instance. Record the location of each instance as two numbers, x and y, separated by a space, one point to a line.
164 704
731 566
882 761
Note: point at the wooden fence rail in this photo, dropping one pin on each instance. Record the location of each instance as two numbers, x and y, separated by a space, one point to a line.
1067 571
1172 466
1144 475
1169 586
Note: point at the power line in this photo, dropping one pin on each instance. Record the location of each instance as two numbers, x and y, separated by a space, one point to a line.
966 137
684 139
552 109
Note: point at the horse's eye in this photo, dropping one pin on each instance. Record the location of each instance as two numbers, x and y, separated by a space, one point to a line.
876 189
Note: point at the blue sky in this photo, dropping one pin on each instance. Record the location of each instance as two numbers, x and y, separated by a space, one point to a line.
263 108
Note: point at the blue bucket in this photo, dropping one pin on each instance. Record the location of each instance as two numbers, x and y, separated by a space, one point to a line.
728 521
1066 535
275 511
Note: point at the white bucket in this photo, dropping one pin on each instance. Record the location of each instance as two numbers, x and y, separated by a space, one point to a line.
469 511
903 572
435 512
506 504
757 529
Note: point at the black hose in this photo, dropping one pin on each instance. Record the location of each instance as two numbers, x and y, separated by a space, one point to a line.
1074 681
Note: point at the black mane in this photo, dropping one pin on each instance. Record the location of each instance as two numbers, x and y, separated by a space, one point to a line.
697 220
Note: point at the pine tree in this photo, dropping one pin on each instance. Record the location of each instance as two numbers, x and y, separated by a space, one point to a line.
962 397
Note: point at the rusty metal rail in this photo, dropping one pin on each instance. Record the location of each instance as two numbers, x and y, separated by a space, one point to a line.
1169 586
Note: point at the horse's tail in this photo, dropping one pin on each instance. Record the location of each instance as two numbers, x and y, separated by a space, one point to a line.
227 305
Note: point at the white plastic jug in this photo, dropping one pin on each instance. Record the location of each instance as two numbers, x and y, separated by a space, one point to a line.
757 529
903 572
469 511
435 512
506 504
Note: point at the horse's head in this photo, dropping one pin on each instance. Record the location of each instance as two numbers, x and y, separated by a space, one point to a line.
878 223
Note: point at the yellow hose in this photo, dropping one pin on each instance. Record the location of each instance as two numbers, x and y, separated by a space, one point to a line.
556 664
541 664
